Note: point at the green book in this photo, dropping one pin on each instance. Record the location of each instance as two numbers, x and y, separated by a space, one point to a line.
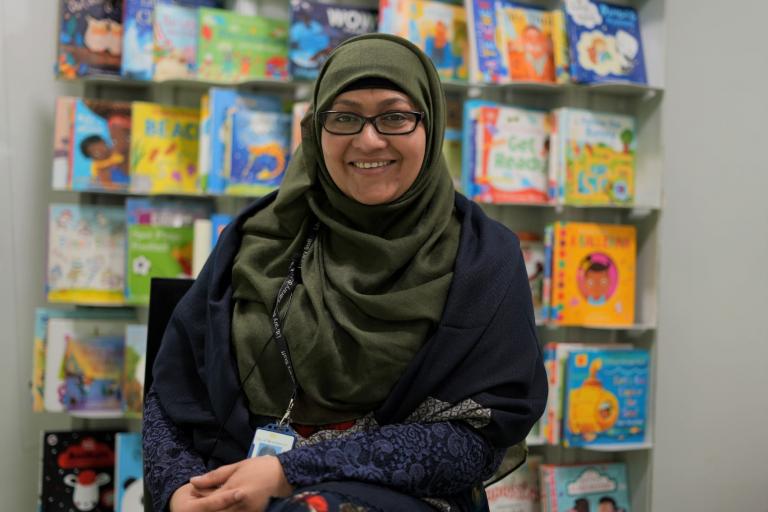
233 47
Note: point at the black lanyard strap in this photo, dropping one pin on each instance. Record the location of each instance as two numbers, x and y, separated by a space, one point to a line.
286 289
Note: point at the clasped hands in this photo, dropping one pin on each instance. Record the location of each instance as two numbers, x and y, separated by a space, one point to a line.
244 486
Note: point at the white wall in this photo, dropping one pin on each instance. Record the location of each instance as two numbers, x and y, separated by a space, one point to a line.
712 400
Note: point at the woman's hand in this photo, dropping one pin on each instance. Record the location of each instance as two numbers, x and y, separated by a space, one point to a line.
187 499
251 481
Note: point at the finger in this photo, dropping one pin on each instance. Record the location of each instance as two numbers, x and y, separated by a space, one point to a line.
202 493
213 478
218 501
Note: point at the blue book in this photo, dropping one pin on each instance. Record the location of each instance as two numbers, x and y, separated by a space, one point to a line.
606 394
129 473
317 28
584 487
219 221
469 145
137 39
604 42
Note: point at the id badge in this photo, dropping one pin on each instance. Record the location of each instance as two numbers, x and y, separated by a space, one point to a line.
271 439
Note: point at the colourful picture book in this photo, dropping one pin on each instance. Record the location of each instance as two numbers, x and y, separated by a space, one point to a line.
218 130
234 47
560 55
258 152
86 254
440 29
593 274
298 111
532 248
175 42
518 491
604 42
576 487
134 365
204 143
593 157
138 39
101 144
129 473
90 38
317 28
78 471
219 221
486 59
606 395
469 148
83 366
164 149
64 120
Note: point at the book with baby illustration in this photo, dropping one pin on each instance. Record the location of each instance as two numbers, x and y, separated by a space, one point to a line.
164 149
576 487
439 29
129 473
593 157
86 254
604 42
175 41
317 28
233 47
90 38
593 274
518 491
78 469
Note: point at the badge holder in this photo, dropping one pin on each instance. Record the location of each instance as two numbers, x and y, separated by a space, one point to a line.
273 438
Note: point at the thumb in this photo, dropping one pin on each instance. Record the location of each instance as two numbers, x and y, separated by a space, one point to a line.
215 478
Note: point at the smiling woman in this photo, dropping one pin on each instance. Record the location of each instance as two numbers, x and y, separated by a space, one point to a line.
366 323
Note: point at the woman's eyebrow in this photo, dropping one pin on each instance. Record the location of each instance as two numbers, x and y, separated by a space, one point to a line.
383 103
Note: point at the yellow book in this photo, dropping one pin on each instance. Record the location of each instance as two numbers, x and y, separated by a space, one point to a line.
593 274
164 149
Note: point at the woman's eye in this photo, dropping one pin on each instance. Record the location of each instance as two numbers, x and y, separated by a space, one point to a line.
394 117
344 118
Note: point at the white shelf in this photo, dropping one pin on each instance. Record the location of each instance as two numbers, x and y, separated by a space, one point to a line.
619 447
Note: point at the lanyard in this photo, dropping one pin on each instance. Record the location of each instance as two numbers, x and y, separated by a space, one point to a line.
286 289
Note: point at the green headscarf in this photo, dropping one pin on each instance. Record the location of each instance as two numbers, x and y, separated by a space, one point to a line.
376 279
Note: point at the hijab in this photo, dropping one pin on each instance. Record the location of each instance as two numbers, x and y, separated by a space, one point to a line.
375 280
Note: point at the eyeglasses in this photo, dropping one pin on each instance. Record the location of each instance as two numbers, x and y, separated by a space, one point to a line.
388 123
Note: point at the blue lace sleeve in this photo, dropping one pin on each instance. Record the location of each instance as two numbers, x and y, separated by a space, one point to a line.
169 460
420 459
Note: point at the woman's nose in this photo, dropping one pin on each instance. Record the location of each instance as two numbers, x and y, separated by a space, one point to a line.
369 138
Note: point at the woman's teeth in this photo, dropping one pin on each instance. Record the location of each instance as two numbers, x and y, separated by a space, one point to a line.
370 165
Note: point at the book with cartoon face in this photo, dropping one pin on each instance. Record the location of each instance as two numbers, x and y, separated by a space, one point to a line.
90 38
577 487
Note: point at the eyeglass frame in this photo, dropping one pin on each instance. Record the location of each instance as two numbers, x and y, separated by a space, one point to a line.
371 119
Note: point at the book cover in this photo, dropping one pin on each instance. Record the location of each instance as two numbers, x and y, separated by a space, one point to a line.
593 275
469 149
439 29
512 151
219 221
234 47
204 143
78 471
64 120
138 39
598 152
258 152
129 473
487 63
222 103
560 54
90 38
518 491
298 111
605 397
604 42
86 247
79 371
201 246
134 365
532 248
164 149
577 487
174 42
525 41
317 28
101 144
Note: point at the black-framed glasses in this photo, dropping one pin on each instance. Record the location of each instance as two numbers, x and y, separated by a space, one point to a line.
387 123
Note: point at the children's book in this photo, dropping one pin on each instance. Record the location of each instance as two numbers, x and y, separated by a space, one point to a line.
439 29
469 149
560 47
605 397
64 120
511 155
218 131
568 488
164 149
204 143
138 39
486 59
101 144
595 156
90 38
78 471
317 28
129 473
175 42
593 274
83 366
453 138
604 42
518 491
134 365
219 221
258 152
234 47
201 246
86 248
298 111
532 248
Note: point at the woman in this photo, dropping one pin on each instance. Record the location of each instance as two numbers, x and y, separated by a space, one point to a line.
381 316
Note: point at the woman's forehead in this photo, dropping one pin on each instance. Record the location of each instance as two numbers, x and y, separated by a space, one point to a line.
372 98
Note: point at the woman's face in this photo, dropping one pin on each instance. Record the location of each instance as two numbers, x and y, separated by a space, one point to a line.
369 167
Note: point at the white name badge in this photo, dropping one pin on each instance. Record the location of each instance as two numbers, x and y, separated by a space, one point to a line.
271 440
